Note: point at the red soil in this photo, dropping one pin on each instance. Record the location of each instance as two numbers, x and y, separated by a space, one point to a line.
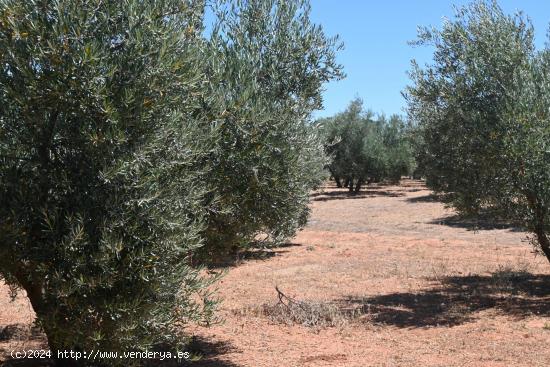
429 290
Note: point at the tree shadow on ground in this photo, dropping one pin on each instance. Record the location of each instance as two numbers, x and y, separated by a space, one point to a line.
457 298
414 190
251 254
482 222
431 198
18 338
22 332
209 352
346 195
206 351
27 362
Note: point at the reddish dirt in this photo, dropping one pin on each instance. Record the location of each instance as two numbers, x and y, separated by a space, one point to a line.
429 289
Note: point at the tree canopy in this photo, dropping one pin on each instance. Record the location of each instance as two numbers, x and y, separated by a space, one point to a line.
134 145
364 148
482 117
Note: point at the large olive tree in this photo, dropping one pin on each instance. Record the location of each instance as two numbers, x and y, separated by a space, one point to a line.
482 115
527 157
101 157
267 63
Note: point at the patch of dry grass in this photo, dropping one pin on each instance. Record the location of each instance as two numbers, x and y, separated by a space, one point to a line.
312 314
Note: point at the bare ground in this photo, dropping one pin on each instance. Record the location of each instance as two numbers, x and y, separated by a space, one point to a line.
388 277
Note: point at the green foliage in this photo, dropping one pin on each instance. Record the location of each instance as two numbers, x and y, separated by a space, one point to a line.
267 63
399 158
101 158
458 100
482 115
364 148
133 145
527 156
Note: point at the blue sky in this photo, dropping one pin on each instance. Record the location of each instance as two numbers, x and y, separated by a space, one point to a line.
377 57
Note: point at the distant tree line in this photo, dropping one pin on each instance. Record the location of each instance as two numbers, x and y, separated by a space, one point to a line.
482 111
365 148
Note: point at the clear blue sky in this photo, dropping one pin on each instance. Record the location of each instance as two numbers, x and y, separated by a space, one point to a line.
377 57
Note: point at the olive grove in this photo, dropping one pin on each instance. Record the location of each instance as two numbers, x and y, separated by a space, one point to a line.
137 141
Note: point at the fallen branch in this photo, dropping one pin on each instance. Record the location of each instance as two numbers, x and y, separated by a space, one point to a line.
289 300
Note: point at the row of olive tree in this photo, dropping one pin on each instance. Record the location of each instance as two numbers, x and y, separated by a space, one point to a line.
134 144
365 148
483 115
267 63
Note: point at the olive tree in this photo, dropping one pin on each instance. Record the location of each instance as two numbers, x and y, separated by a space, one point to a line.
266 63
346 135
458 100
101 157
527 155
365 148
399 156
481 110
